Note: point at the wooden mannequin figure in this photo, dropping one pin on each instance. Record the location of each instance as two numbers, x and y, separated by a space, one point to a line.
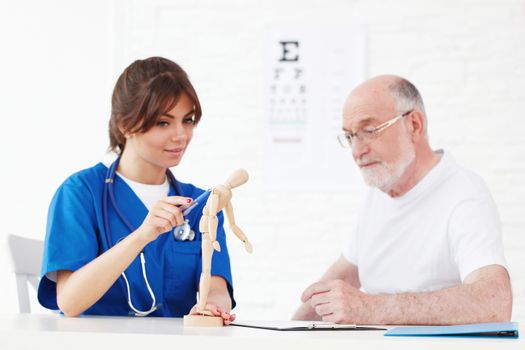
219 199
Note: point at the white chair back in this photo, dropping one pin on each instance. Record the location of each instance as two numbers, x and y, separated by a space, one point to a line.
26 255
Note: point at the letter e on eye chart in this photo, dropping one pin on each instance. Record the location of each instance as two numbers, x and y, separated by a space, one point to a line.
309 70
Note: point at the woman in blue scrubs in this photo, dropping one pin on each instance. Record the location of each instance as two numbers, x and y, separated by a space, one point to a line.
109 249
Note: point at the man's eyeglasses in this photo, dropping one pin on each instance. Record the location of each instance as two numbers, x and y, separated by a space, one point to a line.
368 133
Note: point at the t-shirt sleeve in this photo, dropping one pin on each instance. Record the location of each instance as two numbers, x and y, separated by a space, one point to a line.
220 263
71 239
475 235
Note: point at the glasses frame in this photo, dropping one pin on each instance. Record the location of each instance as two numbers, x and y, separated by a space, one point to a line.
345 139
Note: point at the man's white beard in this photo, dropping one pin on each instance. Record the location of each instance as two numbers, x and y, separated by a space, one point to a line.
384 175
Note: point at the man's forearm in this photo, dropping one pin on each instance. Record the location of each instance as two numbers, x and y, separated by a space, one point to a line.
468 303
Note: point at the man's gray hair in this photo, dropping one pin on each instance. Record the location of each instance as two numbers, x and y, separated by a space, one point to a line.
407 97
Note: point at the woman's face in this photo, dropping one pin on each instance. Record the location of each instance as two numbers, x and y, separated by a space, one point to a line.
165 143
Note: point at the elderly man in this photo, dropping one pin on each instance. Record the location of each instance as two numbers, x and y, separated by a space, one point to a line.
426 248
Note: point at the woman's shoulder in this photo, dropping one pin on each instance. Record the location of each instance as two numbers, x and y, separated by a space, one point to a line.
90 177
84 186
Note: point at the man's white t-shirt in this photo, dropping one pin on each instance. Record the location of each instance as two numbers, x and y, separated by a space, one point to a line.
431 238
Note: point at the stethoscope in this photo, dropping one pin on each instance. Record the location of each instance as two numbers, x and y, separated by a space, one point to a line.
181 232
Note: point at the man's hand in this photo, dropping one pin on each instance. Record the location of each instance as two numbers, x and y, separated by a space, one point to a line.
339 302
216 311
341 270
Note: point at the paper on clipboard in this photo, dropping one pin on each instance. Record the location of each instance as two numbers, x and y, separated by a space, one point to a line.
302 326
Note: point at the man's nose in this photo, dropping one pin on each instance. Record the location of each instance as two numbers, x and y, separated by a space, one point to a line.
359 148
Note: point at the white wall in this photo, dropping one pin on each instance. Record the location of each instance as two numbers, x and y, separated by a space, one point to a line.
55 78
466 57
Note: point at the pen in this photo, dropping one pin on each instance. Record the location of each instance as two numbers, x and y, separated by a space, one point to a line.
204 196
330 326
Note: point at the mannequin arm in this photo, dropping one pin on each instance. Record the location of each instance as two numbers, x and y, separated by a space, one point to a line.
236 229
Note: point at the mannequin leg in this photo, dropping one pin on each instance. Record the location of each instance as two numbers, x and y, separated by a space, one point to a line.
205 279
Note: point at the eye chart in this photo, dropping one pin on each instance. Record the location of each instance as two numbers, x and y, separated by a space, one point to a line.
309 73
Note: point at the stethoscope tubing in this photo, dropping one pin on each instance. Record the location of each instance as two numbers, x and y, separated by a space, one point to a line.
109 192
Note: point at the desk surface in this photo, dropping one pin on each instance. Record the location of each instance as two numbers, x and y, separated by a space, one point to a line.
31 331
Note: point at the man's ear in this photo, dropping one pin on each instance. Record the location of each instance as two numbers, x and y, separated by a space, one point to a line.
417 124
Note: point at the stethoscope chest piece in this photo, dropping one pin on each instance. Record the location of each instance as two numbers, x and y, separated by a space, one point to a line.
183 232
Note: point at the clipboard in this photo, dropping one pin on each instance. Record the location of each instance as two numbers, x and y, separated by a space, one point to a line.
497 329
303 326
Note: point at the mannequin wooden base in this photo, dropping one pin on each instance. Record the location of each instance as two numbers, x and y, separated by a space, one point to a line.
203 321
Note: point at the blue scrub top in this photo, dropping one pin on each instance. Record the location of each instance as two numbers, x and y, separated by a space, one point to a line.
75 236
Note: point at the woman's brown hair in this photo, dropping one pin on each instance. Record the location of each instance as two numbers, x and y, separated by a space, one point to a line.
146 90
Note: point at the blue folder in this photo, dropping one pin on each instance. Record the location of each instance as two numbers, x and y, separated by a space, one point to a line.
499 329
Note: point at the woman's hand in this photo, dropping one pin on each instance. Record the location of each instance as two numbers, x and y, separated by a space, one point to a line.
218 302
216 311
163 216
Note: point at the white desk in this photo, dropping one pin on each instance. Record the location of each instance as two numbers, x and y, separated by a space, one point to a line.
27 331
